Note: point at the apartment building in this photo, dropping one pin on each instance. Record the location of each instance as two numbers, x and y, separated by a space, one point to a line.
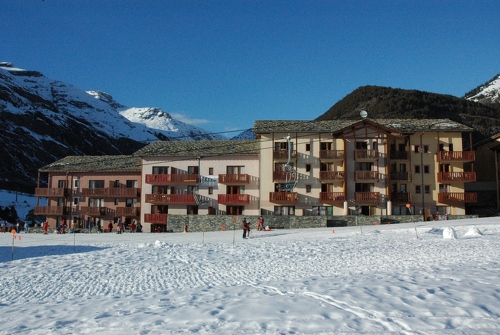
90 189
198 178
365 166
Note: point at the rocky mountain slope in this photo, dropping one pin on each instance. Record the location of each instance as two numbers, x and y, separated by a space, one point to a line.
488 93
44 120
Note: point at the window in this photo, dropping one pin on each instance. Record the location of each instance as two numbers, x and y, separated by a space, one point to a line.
417 168
211 171
375 145
427 189
426 168
308 188
284 210
76 183
96 183
210 190
416 149
76 201
308 167
426 148
116 201
418 189
308 147
61 183
132 184
160 169
193 169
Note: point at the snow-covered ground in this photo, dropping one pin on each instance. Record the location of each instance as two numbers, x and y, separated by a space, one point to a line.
349 280
23 203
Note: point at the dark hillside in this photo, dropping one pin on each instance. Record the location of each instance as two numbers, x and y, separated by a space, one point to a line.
386 102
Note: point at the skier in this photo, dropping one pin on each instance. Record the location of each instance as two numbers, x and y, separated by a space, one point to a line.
246 228
45 227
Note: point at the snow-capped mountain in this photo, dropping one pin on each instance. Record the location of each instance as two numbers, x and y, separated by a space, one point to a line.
45 119
488 93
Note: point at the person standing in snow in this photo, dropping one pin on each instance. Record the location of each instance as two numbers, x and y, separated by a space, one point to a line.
45 227
260 223
26 227
246 228
110 226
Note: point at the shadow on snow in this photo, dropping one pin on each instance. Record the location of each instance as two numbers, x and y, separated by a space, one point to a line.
7 255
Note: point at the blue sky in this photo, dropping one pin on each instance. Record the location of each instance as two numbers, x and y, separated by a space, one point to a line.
220 65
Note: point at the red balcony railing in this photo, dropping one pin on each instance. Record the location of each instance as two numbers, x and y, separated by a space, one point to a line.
401 197
366 155
456 176
283 176
367 176
400 176
179 199
233 199
234 179
128 211
283 154
283 197
162 179
52 192
331 155
332 197
367 197
116 192
457 197
51 210
156 218
331 175
456 156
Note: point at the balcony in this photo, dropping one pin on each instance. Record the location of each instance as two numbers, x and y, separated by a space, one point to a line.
283 197
116 192
367 197
282 176
455 156
96 211
233 199
331 155
331 175
165 179
400 176
234 179
282 154
128 211
450 177
399 155
52 192
51 210
332 197
155 218
170 199
367 176
401 197
365 155
457 197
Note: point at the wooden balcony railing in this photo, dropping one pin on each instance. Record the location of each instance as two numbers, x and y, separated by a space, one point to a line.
128 211
331 175
164 179
331 155
456 176
399 155
52 192
331 197
367 197
457 197
233 199
156 218
365 155
96 211
115 192
456 156
400 176
367 176
51 210
234 179
283 197
401 197
283 176
283 154
179 199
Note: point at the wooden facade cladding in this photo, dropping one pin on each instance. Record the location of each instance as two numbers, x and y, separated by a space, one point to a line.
331 155
455 156
52 192
165 199
165 179
51 210
332 197
155 218
234 179
233 199
449 177
283 197
457 197
367 197
116 192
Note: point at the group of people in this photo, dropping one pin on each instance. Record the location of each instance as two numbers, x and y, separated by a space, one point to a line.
135 227
246 226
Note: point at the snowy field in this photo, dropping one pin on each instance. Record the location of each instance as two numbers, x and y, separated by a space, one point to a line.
351 280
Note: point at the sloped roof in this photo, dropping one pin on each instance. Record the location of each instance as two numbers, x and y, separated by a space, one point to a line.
400 125
94 164
200 148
